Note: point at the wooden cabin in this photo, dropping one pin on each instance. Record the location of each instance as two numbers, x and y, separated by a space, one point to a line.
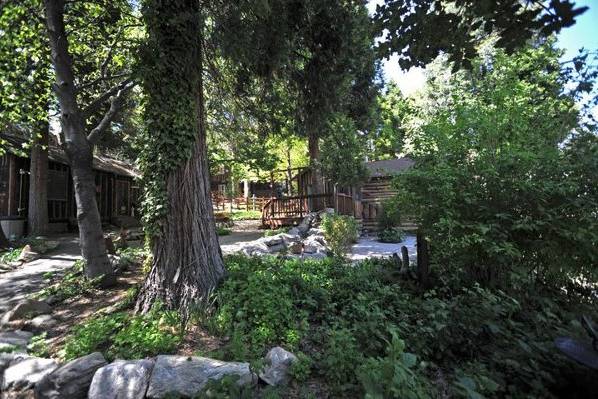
363 202
379 188
116 190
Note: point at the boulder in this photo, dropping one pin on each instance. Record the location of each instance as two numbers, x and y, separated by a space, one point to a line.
306 224
43 322
277 248
288 239
294 231
71 380
180 376
312 245
315 256
28 372
7 360
272 241
277 370
121 379
26 309
255 248
19 339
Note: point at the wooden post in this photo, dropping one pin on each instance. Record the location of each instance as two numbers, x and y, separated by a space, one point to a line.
12 185
405 257
423 260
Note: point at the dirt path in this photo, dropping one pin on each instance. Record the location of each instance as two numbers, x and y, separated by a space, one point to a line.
28 278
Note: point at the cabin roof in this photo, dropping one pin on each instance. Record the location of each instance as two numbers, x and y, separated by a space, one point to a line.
56 154
388 167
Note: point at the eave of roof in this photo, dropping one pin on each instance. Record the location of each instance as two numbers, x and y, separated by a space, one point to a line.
56 154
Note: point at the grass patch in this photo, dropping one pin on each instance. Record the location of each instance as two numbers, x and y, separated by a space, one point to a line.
246 215
223 231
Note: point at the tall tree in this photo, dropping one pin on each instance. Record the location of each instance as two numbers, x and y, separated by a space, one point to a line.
79 140
187 263
25 95
459 26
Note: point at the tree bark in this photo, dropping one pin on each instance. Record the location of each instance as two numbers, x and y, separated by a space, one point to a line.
78 149
3 240
37 212
187 262
317 184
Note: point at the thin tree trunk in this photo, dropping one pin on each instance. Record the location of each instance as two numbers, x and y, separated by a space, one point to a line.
37 212
289 171
187 262
78 149
317 184
3 240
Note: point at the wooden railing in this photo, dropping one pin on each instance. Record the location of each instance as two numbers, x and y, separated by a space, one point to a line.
289 210
222 203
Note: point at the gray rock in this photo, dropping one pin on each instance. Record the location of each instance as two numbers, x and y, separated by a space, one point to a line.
7 360
277 248
255 248
71 380
272 240
289 238
43 322
26 309
294 231
277 371
18 338
187 376
27 373
122 379
28 254
312 245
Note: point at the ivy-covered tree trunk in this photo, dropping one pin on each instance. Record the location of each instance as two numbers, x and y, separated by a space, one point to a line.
37 212
187 263
78 149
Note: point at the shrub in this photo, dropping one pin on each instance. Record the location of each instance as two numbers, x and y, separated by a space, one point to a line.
38 346
390 216
222 231
395 375
246 215
391 235
340 232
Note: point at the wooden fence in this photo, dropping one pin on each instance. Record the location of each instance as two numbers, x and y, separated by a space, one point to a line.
222 203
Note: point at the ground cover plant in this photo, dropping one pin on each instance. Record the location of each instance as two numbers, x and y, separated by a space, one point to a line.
457 339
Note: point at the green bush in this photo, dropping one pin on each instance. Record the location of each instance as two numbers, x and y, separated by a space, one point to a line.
483 341
39 346
390 216
340 232
395 375
391 235
222 231
125 336
246 215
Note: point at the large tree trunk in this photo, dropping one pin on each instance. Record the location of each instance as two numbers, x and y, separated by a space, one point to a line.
37 212
187 262
78 149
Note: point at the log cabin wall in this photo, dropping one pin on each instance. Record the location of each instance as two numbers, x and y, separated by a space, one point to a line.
62 207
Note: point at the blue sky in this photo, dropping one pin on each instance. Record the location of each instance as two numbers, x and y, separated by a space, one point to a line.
583 34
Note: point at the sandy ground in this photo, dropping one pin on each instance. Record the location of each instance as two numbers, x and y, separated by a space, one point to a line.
369 247
243 231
